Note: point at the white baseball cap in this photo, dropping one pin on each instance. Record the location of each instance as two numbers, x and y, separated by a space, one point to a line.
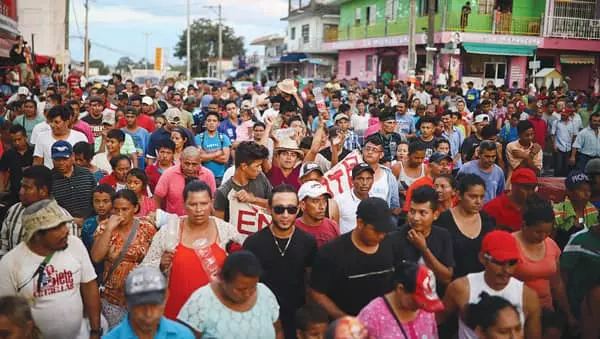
23 90
312 189
147 100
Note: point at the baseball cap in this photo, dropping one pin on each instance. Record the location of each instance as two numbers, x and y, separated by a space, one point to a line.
358 169
173 115
481 118
190 100
376 212
23 90
147 100
312 189
95 99
61 149
387 116
122 96
592 167
409 273
145 285
246 105
308 167
575 178
524 176
439 156
501 246
108 117
42 215
340 116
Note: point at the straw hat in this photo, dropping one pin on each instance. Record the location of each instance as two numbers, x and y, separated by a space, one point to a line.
287 144
42 215
287 86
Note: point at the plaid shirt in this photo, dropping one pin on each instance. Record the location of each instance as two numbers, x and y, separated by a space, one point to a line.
352 141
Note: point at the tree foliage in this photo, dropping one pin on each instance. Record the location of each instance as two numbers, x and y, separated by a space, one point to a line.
124 64
102 68
204 44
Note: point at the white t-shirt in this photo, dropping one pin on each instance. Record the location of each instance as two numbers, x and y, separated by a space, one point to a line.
348 204
100 160
38 130
44 146
58 308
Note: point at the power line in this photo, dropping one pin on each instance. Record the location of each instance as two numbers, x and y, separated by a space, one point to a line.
75 17
108 48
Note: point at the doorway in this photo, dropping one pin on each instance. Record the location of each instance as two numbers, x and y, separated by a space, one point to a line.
494 71
389 63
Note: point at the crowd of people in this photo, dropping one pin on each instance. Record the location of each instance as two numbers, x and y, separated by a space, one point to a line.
379 210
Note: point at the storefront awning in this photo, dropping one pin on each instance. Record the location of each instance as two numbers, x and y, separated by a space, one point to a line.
293 57
498 49
577 59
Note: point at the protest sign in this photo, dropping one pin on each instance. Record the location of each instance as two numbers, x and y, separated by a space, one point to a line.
339 178
247 218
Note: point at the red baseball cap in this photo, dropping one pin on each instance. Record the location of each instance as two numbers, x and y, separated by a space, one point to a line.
425 294
524 176
501 246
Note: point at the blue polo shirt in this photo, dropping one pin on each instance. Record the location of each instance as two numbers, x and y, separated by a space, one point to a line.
166 329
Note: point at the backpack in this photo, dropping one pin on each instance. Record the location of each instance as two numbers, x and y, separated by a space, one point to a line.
201 144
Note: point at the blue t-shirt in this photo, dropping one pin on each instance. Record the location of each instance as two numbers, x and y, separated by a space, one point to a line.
140 138
228 128
494 180
315 123
212 144
167 329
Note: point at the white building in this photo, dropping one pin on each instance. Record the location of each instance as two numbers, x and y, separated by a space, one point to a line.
308 27
48 21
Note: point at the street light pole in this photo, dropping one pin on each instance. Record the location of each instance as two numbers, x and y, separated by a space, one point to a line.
188 72
146 35
219 62
86 44
430 40
412 48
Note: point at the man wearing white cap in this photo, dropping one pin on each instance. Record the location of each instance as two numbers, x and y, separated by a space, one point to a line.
313 203
53 270
146 295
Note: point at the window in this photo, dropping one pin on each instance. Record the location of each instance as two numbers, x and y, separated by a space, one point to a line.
357 15
391 9
495 71
305 33
369 65
293 33
371 14
348 68
486 6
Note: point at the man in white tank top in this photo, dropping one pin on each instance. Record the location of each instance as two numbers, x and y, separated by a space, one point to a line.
499 255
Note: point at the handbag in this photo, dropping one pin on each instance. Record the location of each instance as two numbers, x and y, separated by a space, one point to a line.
116 263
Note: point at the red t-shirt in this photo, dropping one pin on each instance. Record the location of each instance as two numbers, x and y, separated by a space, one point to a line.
276 177
541 128
423 181
324 233
143 121
73 81
505 212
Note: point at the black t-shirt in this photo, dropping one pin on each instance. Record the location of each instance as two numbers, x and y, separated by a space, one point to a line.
390 144
260 187
14 163
95 124
465 249
284 275
429 145
326 152
17 58
469 145
438 242
350 277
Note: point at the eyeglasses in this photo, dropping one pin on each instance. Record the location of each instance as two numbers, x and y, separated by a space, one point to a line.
279 209
510 262
369 149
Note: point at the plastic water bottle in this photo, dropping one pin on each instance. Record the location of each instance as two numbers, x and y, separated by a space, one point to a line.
209 263
319 99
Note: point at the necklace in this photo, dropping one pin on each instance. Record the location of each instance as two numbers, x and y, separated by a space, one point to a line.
287 244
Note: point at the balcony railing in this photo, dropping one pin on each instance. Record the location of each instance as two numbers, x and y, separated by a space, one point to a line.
574 28
383 29
494 23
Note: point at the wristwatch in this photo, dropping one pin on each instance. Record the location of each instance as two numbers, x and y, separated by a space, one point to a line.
98 331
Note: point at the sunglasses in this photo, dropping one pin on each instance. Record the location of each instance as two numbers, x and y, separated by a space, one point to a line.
510 262
279 209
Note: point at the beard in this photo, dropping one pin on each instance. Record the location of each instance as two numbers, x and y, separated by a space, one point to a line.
280 227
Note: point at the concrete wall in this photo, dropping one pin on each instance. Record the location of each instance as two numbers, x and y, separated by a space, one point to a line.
46 20
358 60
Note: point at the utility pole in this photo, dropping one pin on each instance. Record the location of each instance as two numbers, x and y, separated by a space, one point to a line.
219 62
412 48
146 35
430 40
188 72
86 44
67 4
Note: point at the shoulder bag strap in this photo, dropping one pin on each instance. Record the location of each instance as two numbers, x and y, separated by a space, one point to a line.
116 263
389 306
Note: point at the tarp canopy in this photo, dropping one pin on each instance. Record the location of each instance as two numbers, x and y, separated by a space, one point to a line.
578 59
498 49
293 57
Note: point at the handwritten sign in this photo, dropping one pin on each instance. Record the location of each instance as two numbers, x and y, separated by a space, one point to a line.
247 218
339 178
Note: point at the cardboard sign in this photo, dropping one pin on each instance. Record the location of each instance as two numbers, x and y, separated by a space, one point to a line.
247 218
339 178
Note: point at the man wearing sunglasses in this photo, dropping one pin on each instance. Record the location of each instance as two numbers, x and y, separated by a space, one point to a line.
286 254
499 255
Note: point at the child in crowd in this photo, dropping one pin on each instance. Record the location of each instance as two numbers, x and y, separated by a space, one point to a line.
311 321
84 152
113 142
137 181
159 121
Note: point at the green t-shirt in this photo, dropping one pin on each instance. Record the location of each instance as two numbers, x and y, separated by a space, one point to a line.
28 124
387 77
585 117
565 220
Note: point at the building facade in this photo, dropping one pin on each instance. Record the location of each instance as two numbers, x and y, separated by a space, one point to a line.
498 40
46 22
309 28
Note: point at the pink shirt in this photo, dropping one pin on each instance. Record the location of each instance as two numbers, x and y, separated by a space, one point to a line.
374 126
536 274
147 205
171 184
381 323
324 233
84 128
242 131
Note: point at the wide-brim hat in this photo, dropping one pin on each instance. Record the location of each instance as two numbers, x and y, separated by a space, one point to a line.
287 86
42 215
287 144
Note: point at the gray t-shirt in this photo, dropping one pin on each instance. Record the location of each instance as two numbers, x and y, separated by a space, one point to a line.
494 180
260 187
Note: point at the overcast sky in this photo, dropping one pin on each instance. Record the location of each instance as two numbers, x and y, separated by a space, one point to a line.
119 26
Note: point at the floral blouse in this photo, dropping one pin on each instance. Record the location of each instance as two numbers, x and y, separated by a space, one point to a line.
114 291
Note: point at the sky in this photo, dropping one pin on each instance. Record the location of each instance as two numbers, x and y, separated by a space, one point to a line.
119 26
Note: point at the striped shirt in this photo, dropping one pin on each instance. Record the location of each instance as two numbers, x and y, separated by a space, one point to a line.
74 193
12 230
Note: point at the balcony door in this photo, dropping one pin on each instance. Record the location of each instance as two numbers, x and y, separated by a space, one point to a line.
494 71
